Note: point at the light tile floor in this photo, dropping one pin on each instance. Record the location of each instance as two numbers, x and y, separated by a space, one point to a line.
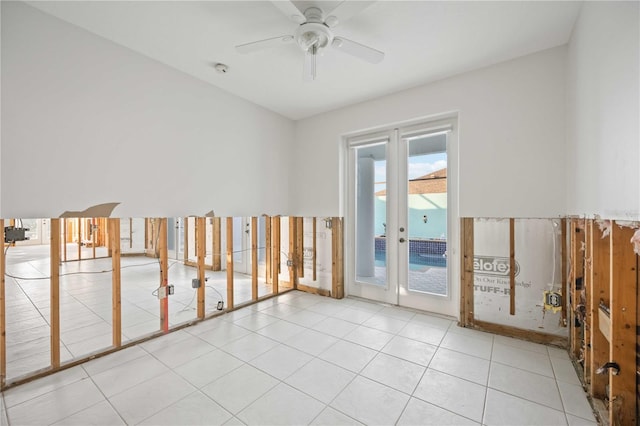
85 302
304 359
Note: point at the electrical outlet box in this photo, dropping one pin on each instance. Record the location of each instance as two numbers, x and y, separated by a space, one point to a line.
165 291
289 263
162 292
12 234
195 283
220 305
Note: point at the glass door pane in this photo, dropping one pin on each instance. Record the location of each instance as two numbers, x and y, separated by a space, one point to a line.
371 257
426 201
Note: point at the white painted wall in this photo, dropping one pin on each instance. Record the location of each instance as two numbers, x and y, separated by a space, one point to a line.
86 121
603 114
511 138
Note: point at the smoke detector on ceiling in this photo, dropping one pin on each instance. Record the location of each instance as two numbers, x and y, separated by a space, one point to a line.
221 68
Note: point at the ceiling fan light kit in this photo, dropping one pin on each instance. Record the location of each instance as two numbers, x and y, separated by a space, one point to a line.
314 34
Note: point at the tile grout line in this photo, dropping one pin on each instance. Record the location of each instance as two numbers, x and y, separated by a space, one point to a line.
105 396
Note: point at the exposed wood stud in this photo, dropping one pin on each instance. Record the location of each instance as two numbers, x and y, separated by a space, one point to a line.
79 221
530 335
269 261
164 272
229 263
337 266
623 299
64 239
275 268
300 246
600 275
466 272
201 250
512 267
3 312
254 258
563 254
577 266
292 258
588 289
314 290
216 255
93 227
116 305
55 292
314 254
146 234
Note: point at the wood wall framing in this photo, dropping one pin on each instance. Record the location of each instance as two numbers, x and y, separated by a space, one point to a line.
604 311
3 318
599 277
116 290
106 232
600 293
55 293
467 281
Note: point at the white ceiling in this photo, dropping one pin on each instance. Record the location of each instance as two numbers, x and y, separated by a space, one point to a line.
423 41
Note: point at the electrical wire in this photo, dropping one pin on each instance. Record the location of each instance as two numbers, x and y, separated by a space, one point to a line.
195 292
553 262
214 289
104 271
188 306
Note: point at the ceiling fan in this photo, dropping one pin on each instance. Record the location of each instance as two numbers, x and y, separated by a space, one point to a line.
314 34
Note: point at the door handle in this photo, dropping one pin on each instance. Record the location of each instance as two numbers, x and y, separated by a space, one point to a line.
402 240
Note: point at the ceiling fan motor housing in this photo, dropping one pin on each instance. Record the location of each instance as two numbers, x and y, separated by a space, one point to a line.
313 33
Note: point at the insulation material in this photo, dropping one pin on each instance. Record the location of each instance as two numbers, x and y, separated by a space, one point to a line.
635 240
605 227
538 270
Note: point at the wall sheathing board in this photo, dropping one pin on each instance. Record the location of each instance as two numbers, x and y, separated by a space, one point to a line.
537 269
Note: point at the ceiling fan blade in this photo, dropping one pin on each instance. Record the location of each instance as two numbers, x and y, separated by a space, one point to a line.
309 69
358 50
345 11
264 44
290 10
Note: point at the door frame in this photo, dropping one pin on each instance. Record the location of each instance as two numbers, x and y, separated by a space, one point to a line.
393 294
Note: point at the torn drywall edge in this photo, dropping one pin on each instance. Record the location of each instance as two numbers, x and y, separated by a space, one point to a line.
99 210
605 227
635 240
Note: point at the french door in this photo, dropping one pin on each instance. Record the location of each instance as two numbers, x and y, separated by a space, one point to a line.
400 208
